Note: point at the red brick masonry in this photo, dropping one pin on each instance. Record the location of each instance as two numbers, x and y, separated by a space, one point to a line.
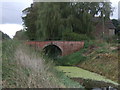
67 47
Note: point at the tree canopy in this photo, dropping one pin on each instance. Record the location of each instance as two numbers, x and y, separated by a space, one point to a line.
117 26
53 20
20 35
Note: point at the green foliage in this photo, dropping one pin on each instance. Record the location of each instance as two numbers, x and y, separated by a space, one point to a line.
118 31
75 36
115 22
21 35
89 43
49 21
4 36
30 21
102 59
79 57
71 59
102 50
98 43
113 39
19 72
8 63
75 72
66 80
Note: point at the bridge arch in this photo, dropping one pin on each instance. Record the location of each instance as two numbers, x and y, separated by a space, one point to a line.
65 47
52 50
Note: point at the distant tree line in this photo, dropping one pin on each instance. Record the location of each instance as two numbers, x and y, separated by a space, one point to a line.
4 36
117 25
63 21
21 35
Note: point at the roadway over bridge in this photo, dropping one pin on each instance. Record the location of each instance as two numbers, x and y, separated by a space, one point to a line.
66 47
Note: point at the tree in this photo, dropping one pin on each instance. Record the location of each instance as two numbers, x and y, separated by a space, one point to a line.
49 21
30 20
105 10
21 35
4 36
116 23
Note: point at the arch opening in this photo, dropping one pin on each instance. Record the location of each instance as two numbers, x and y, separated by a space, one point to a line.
52 51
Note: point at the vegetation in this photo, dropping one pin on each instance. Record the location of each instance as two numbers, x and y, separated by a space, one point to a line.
52 21
71 36
21 35
0 64
3 36
117 26
71 59
76 57
97 56
102 60
26 68
75 72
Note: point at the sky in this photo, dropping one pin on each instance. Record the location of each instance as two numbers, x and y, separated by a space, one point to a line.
10 19
10 15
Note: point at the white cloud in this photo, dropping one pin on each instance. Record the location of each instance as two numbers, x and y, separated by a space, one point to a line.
115 5
10 29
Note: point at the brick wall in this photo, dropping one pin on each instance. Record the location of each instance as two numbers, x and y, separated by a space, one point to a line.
67 47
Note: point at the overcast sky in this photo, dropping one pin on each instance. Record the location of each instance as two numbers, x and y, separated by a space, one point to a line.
10 19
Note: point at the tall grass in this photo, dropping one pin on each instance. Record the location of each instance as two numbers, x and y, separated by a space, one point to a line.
23 67
79 57
0 63
71 59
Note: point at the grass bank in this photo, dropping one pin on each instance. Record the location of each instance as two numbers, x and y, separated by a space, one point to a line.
23 67
102 60
96 56
75 72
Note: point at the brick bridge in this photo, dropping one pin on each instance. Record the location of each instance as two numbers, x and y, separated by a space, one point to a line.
66 47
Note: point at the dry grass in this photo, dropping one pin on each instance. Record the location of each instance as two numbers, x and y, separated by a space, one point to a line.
24 67
104 61
38 71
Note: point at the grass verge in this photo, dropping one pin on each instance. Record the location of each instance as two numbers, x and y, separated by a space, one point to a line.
23 67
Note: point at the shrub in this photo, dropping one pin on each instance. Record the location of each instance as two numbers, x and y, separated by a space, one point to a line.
71 59
112 39
71 36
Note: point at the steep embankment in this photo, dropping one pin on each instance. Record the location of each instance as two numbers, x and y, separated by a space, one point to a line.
102 60
97 56
25 68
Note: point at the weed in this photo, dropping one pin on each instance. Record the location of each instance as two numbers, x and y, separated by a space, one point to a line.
24 67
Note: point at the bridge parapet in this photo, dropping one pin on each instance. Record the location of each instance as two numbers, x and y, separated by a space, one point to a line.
67 47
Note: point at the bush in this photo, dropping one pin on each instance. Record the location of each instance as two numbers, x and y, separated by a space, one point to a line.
75 36
71 59
21 35
113 39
